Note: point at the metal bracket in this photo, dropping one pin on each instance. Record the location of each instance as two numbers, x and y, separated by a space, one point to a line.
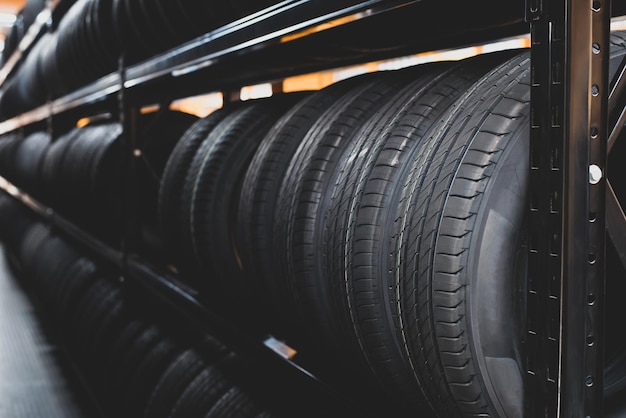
569 59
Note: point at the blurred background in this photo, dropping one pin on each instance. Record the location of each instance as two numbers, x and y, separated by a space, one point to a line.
8 13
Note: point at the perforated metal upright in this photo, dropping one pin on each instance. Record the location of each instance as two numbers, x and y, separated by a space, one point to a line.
569 130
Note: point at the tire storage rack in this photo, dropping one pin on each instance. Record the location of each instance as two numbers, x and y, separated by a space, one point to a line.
394 265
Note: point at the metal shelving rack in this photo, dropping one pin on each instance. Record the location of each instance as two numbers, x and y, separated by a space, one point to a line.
569 126
577 115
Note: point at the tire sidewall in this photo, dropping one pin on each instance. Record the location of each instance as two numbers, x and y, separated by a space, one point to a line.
496 282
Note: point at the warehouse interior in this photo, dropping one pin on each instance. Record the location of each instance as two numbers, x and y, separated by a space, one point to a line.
294 209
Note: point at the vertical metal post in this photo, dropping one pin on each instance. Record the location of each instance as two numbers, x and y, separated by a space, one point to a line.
128 187
569 58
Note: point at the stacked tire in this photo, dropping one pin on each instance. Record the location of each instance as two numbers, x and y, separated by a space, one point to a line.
93 35
380 226
23 20
79 173
135 361
147 28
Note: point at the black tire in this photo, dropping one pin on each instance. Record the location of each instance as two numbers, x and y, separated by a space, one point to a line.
105 33
180 373
50 166
158 134
8 146
78 278
35 236
54 257
463 201
113 360
144 376
114 318
105 173
354 236
311 303
70 42
173 181
235 403
259 195
27 158
211 193
203 391
12 233
457 203
73 174
139 31
126 363
88 316
53 79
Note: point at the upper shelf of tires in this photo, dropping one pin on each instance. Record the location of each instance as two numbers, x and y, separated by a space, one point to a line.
200 46
173 49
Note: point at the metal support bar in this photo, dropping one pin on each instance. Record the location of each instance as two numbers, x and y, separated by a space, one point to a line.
569 100
544 274
129 154
587 138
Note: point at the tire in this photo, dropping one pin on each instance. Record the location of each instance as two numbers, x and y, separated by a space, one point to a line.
105 178
79 277
144 376
203 391
113 319
53 79
54 258
211 194
173 181
259 195
27 159
180 373
35 236
311 302
127 362
22 219
8 146
456 208
158 133
69 53
128 336
354 234
464 201
51 164
105 33
72 174
89 313
233 404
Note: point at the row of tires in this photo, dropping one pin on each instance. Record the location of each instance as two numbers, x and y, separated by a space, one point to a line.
137 363
378 222
377 225
79 173
92 35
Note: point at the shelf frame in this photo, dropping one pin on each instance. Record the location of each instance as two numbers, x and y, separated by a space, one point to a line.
567 223
577 117
284 22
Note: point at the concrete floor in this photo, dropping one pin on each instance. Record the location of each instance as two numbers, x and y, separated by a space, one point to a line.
35 379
